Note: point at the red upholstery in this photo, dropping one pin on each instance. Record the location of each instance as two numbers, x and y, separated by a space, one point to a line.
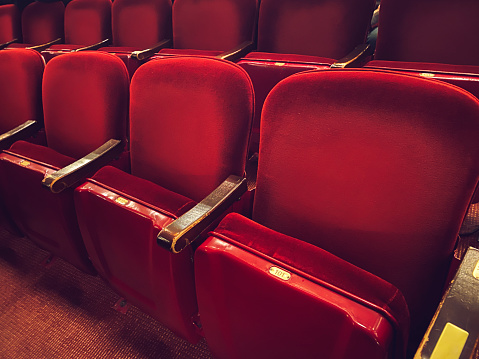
427 31
219 25
141 23
96 109
42 22
266 70
205 137
236 292
320 31
374 167
87 22
189 125
464 76
85 100
138 25
325 28
21 73
9 23
420 38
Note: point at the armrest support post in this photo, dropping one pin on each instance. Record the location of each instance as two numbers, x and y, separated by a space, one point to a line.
184 230
78 170
25 130
144 54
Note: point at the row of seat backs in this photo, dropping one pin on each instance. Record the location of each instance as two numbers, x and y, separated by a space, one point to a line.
287 27
357 177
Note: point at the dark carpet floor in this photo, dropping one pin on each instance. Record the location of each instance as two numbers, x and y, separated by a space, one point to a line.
55 311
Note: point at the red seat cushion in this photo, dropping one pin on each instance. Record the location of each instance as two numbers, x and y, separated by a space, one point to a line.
241 246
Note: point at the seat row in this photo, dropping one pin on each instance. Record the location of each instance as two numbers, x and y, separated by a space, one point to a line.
355 213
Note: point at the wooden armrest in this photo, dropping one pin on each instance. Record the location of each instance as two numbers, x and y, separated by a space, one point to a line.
94 46
355 57
25 130
454 330
5 44
144 54
238 52
184 230
42 47
78 170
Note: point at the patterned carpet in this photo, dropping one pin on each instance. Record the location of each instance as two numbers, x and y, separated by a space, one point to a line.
55 311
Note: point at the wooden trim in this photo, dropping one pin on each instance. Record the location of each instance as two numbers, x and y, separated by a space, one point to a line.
184 230
77 171
355 57
238 52
42 47
25 130
144 54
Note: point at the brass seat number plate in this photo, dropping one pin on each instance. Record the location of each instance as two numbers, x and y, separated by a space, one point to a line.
281 274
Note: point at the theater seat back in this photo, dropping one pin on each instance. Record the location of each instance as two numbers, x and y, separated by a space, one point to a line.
374 167
9 23
140 23
21 73
429 31
81 102
42 22
326 28
87 22
213 24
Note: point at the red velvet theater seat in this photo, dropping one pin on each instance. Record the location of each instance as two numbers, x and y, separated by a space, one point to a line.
189 126
87 23
138 25
211 27
10 28
299 35
85 101
373 167
21 73
430 38
42 23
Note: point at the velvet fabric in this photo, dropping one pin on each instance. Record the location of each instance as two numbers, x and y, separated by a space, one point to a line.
85 101
266 70
429 31
143 191
295 36
9 23
313 264
374 167
43 22
21 72
213 24
87 22
325 28
140 23
190 119
90 108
